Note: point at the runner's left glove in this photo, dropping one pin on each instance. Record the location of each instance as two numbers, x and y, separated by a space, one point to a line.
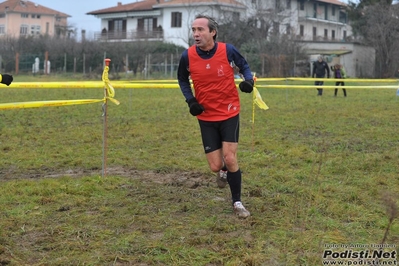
195 107
6 79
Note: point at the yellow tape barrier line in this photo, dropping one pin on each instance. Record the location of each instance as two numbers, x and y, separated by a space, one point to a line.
345 80
168 80
87 85
92 85
330 79
36 104
326 87
56 85
282 79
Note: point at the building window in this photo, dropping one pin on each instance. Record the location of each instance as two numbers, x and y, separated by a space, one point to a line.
301 30
24 15
117 28
342 17
236 16
278 5
276 28
288 4
315 10
333 11
148 24
47 27
302 5
2 15
333 34
35 30
254 2
2 30
314 33
326 12
118 25
176 19
344 35
325 34
288 29
23 30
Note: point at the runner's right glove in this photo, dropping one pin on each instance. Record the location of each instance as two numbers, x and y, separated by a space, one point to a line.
195 107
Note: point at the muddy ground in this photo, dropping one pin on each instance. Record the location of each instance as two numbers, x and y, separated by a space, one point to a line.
186 179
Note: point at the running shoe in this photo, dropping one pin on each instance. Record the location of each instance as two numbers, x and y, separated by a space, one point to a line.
240 210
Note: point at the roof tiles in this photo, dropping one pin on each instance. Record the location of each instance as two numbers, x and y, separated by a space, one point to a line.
22 6
149 5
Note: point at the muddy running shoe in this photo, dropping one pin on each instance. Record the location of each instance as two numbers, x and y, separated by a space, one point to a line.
240 210
221 178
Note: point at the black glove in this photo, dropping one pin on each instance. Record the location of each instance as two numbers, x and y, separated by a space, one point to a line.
195 107
6 79
247 86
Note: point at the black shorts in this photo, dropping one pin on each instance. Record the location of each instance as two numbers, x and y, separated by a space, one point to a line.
214 133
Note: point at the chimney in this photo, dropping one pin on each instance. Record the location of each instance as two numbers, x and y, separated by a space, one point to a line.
119 3
83 35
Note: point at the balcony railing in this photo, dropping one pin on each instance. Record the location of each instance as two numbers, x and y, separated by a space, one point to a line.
320 17
128 35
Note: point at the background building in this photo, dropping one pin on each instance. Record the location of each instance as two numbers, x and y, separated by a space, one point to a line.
24 18
321 26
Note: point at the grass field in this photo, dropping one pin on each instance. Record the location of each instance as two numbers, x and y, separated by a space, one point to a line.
317 171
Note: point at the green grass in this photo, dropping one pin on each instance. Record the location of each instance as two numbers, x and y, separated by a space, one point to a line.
316 171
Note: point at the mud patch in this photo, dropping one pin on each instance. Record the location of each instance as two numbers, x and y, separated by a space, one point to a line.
184 179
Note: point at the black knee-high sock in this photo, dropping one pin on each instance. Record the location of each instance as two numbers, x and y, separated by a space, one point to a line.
234 180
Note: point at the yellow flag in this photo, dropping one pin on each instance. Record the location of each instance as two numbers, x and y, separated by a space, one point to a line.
110 89
258 100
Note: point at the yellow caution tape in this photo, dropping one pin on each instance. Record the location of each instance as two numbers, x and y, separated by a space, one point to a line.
109 95
36 104
327 87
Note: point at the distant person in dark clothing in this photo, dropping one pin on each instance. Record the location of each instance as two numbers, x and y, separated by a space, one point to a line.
320 68
339 73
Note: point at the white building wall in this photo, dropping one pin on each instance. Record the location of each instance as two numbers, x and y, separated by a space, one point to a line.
104 24
182 36
179 36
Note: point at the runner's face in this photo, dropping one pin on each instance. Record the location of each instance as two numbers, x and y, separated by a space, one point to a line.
203 38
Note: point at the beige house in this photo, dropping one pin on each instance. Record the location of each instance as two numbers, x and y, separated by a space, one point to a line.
20 18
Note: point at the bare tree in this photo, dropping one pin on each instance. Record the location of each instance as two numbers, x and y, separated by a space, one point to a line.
377 23
266 39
